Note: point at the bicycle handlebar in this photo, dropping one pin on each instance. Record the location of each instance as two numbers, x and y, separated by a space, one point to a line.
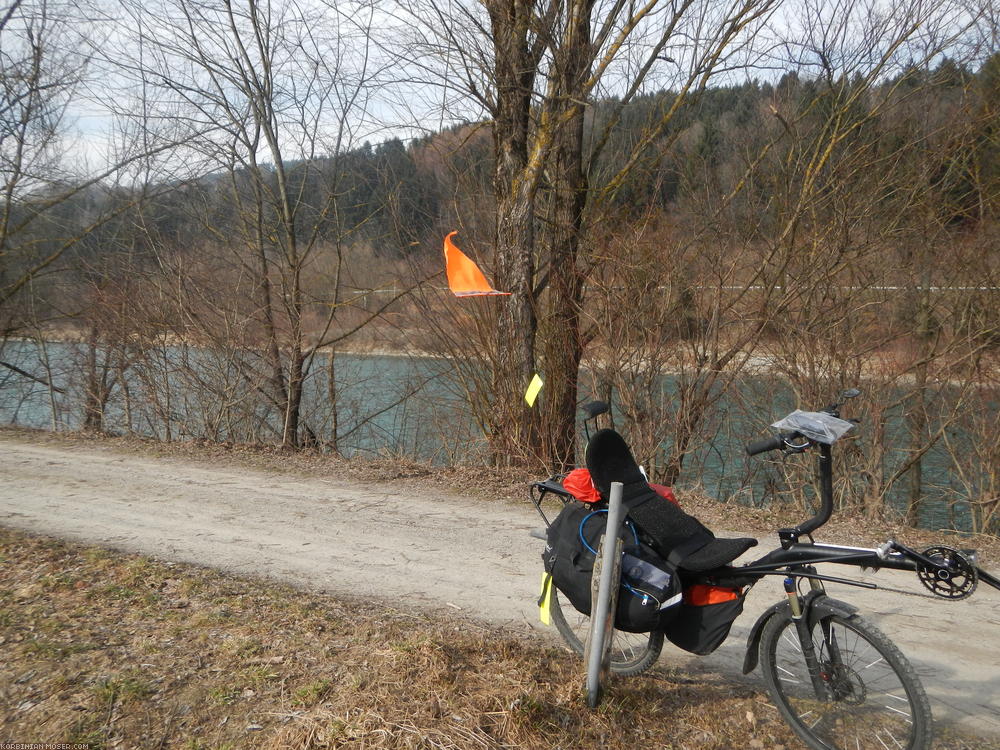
825 493
783 440
765 445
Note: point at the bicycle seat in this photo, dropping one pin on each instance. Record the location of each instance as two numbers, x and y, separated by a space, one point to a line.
680 537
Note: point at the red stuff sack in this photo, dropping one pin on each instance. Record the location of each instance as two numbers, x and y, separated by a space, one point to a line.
579 483
581 486
666 493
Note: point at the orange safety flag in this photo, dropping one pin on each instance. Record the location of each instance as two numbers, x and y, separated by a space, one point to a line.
464 277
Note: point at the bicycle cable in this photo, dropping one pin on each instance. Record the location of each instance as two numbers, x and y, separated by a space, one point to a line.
877 587
918 594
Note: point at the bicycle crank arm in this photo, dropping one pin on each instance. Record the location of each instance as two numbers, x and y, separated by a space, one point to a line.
989 578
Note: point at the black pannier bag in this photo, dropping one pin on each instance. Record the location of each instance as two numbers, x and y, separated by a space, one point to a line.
650 592
704 619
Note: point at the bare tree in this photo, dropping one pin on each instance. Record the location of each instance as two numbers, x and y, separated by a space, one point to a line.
61 193
536 68
42 70
268 97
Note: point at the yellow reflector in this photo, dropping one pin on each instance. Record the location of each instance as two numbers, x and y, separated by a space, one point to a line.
545 600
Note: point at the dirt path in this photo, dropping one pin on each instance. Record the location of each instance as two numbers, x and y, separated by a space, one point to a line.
423 551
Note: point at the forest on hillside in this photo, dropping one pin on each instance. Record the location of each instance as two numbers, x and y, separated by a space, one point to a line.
815 205
396 199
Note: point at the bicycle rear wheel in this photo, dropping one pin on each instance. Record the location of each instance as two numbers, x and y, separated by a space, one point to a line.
873 699
631 653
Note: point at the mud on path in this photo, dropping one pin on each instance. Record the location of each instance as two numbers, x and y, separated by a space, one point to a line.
417 548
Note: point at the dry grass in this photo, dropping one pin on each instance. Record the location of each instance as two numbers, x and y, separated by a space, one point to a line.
120 651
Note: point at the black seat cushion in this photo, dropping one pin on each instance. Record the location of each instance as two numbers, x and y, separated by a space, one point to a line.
678 536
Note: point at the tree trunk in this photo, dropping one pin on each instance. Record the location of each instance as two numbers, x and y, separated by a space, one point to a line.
332 395
513 363
93 398
276 373
513 436
293 404
916 422
564 344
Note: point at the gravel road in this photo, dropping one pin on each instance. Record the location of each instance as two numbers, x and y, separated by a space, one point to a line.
414 549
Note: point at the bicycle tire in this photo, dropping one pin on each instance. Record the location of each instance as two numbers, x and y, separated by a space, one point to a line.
875 699
631 653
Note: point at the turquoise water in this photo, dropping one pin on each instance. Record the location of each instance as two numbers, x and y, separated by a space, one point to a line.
386 405
405 407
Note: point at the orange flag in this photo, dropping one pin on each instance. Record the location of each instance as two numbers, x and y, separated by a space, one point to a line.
464 277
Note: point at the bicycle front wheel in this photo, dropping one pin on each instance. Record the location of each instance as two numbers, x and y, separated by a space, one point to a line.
866 695
631 653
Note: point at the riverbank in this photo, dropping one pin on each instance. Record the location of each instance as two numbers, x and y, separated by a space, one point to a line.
413 407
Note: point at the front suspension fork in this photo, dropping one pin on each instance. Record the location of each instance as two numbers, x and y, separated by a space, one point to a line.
801 620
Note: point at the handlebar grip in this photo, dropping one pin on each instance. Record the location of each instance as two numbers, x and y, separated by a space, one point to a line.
767 444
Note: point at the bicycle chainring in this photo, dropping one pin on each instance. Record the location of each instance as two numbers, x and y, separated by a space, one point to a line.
951 577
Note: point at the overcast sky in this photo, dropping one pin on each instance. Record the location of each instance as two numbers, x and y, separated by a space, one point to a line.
356 71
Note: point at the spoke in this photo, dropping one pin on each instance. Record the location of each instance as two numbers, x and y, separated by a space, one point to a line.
896 697
895 743
901 713
793 641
